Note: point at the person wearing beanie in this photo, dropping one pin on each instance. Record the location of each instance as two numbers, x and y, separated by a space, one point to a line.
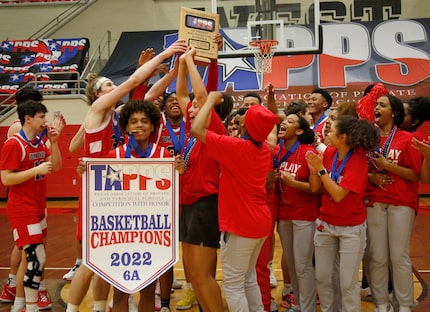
244 217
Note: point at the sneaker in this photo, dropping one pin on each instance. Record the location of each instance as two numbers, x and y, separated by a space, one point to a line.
132 307
273 281
288 300
165 309
273 306
188 301
43 300
389 308
176 284
69 275
293 309
8 293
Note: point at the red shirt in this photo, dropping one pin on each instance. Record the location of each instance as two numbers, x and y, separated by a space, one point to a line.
162 137
351 210
401 192
242 207
29 197
201 176
296 204
98 142
319 129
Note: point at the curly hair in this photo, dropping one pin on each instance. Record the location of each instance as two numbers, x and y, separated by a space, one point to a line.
135 106
347 108
298 107
308 135
360 132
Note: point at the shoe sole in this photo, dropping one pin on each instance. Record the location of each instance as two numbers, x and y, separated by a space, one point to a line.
7 300
186 307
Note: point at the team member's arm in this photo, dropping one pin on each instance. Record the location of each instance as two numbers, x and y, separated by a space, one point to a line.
107 102
201 121
315 163
404 172
423 148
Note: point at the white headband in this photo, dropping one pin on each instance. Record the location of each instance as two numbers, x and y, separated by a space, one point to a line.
100 82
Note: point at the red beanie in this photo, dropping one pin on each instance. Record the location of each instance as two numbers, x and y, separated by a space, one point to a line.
259 122
367 104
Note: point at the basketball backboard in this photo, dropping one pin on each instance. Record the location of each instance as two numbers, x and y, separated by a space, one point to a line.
295 24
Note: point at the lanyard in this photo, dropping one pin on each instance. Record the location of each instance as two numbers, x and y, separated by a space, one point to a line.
317 123
133 145
277 161
188 149
39 138
335 173
385 148
389 140
116 128
178 143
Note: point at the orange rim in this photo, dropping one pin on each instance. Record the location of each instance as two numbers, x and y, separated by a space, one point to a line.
264 45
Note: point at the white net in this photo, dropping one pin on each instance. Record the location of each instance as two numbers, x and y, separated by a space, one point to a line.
263 54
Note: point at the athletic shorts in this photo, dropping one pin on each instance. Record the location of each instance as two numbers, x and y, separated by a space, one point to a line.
198 223
28 230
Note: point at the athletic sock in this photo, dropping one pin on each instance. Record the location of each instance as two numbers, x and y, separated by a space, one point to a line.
165 303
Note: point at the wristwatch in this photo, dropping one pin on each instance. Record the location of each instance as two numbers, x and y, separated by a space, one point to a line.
322 172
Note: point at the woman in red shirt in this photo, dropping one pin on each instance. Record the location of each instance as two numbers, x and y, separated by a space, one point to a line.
341 225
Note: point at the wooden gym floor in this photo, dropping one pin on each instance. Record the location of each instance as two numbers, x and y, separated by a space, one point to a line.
60 257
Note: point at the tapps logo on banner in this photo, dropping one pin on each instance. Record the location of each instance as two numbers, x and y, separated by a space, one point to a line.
130 220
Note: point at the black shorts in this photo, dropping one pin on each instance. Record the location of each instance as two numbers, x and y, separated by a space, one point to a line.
198 224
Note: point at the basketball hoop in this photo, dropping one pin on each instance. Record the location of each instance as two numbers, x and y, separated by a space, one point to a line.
263 54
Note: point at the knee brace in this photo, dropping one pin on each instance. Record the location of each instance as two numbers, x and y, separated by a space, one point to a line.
35 261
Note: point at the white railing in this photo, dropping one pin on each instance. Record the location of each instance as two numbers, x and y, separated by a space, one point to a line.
62 19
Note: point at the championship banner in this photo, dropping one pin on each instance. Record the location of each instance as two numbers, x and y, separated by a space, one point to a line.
130 220
21 60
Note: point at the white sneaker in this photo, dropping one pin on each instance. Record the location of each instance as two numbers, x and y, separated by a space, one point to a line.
164 309
132 307
176 284
69 275
383 308
273 306
273 281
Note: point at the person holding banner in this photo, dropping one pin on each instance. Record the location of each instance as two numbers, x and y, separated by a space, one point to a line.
25 161
98 131
139 119
244 218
